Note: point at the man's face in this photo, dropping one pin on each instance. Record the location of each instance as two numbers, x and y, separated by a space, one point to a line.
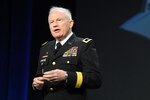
60 25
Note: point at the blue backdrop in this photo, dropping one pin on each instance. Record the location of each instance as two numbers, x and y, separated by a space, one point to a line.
15 35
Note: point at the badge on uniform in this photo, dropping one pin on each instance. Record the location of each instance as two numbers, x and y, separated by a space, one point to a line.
71 52
44 58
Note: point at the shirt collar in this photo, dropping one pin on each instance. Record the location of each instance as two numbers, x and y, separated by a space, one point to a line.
64 40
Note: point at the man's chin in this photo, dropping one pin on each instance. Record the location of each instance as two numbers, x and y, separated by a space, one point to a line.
59 38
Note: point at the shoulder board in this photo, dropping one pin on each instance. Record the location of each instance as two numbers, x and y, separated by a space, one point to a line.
86 40
44 43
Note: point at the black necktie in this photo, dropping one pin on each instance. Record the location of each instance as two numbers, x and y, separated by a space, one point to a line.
58 46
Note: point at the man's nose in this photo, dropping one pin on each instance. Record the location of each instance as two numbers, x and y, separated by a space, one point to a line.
55 24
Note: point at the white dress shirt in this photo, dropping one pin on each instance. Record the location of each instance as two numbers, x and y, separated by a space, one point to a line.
64 40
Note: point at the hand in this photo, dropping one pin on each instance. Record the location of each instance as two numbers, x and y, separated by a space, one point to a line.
55 75
38 82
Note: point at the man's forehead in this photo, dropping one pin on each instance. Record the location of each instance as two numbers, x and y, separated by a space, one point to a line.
58 14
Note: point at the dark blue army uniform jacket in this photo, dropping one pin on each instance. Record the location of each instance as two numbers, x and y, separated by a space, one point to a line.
79 58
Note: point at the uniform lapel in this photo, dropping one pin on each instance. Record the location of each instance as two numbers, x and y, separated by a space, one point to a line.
65 47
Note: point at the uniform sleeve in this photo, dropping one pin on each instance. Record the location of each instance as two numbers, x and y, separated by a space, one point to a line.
38 73
39 69
42 61
90 76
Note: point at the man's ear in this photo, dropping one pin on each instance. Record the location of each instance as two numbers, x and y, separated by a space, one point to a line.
71 23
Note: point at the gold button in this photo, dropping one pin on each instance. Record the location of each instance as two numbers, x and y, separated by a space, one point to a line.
53 63
68 62
51 89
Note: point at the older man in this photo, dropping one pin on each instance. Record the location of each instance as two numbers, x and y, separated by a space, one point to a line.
67 65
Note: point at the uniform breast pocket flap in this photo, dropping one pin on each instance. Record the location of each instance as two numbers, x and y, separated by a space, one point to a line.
69 60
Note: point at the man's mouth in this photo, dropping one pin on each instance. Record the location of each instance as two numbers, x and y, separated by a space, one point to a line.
57 30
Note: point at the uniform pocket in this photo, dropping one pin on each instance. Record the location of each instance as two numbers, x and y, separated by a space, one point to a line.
68 63
69 60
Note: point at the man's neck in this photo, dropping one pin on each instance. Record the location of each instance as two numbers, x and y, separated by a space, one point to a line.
63 41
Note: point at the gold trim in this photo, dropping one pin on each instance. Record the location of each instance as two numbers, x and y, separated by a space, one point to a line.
79 79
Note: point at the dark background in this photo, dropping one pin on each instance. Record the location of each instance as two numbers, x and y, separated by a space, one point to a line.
124 56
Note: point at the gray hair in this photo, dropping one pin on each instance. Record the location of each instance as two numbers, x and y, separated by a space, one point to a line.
66 11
